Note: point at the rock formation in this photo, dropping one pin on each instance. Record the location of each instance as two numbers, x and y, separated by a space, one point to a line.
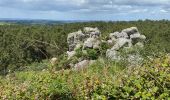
89 38
127 38
74 38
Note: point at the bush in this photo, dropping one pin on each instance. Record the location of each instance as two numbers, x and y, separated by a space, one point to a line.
93 54
103 80
151 81
103 48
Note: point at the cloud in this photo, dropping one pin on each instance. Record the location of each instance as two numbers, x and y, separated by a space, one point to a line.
91 5
86 7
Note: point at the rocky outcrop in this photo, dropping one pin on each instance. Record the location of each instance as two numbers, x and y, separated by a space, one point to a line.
92 32
127 38
92 43
83 64
89 38
75 38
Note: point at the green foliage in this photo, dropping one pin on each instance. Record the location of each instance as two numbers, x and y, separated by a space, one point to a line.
151 81
63 84
93 54
35 86
80 53
23 46
63 62
102 80
103 48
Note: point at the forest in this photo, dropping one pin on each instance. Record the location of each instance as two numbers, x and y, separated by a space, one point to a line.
25 71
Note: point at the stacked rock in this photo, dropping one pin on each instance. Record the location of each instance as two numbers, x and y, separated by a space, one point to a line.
125 39
74 38
89 38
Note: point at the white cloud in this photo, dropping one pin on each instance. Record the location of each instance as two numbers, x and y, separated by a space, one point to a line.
90 7
75 5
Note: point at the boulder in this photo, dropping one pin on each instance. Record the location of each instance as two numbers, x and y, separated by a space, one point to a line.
121 42
143 37
74 38
95 34
110 42
70 54
130 31
90 29
112 54
90 32
96 44
126 39
81 65
117 35
92 43
135 36
88 43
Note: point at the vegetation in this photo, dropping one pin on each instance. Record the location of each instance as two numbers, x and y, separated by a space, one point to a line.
103 80
26 72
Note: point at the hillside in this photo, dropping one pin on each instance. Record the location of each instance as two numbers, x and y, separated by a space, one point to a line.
35 21
85 60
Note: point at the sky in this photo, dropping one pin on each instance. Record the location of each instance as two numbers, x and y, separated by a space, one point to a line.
85 9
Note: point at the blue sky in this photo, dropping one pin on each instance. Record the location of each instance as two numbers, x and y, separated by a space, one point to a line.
86 9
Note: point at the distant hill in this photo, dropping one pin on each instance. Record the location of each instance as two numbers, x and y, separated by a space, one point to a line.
35 21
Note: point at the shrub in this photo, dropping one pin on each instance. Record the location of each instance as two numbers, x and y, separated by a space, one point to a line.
81 54
151 81
103 48
93 54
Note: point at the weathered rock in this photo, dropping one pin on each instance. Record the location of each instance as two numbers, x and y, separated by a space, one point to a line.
88 43
110 42
81 65
135 36
113 35
130 31
126 39
90 29
74 38
92 43
96 44
122 42
117 35
90 32
70 54
95 34
143 37
112 54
